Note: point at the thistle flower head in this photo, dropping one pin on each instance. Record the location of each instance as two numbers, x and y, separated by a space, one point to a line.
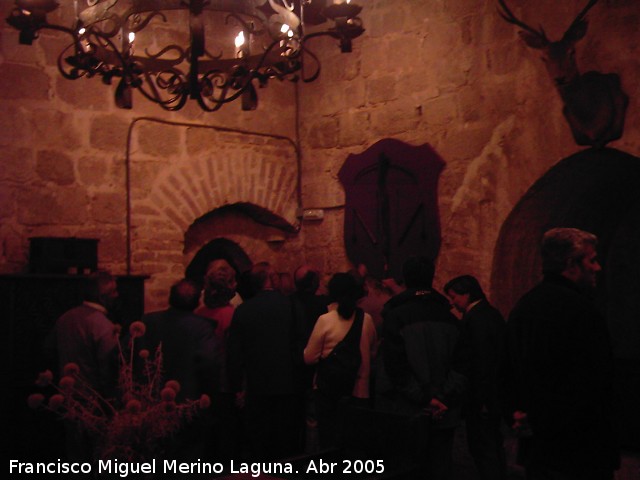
174 385
134 406
35 400
44 378
205 401
56 401
137 329
67 383
71 369
168 394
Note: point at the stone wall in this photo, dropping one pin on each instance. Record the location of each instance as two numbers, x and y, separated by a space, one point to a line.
453 74
446 72
66 151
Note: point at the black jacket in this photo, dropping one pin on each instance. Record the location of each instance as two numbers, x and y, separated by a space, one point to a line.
261 347
479 356
419 335
562 366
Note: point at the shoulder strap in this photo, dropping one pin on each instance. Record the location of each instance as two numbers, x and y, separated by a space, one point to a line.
355 332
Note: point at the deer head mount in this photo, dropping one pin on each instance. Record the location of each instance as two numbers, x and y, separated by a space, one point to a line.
594 103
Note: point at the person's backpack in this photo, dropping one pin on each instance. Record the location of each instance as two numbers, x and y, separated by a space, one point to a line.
336 374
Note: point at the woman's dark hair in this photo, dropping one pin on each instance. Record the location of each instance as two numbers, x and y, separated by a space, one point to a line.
346 290
466 284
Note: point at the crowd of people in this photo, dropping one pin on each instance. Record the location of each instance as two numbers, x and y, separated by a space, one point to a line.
277 364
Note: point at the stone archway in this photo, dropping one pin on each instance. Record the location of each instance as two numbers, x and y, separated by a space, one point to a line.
181 173
595 190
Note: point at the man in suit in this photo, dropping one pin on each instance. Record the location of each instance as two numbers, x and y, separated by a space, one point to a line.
190 355
189 345
414 374
560 354
478 357
261 351
85 336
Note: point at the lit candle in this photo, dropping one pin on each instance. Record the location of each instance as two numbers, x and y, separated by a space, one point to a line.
240 42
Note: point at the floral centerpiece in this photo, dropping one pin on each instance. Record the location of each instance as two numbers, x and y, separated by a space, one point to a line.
132 427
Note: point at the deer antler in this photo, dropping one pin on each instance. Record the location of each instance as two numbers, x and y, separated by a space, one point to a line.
508 16
580 17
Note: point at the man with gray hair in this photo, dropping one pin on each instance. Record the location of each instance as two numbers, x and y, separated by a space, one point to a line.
562 366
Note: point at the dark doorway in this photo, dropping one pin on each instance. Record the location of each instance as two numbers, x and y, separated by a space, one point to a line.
597 191
218 248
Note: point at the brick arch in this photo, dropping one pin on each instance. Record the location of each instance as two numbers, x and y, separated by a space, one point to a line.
185 195
200 171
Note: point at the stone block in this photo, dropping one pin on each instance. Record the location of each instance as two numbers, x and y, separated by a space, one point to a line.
440 111
23 82
398 117
86 93
7 200
354 126
55 166
381 89
108 208
14 126
467 143
158 139
323 133
40 205
504 59
52 44
372 52
94 170
402 48
200 140
56 129
109 133
460 8
17 164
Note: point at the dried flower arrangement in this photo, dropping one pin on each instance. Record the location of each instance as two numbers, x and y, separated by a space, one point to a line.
132 427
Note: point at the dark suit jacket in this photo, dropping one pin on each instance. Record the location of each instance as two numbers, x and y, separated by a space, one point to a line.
479 356
560 353
415 357
261 346
189 350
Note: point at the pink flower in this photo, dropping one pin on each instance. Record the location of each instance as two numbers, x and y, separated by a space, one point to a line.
56 401
134 406
117 328
137 329
67 383
44 378
35 400
205 401
71 369
144 354
173 384
168 394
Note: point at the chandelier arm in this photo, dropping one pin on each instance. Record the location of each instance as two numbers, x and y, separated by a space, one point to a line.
154 56
316 61
137 25
180 98
265 54
78 73
203 105
225 87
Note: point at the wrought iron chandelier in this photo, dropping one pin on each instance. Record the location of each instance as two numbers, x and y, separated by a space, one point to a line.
210 51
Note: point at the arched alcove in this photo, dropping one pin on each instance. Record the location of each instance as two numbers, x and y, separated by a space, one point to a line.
217 248
597 191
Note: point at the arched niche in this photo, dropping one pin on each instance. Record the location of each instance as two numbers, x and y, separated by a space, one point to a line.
597 191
